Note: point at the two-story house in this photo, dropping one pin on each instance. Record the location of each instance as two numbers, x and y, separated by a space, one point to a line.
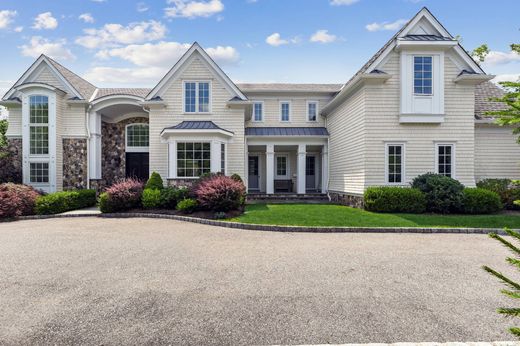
418 105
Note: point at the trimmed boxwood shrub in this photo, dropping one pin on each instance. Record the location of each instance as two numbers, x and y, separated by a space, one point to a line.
388 199
188 205
170 196
219 193
443 194
151 198
480 201
154 182
122 196
17 200
60 202
507 189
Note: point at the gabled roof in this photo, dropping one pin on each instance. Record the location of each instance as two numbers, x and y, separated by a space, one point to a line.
195 47
139 92
288 87
85 88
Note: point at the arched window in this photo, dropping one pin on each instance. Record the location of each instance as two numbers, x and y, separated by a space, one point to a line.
137 138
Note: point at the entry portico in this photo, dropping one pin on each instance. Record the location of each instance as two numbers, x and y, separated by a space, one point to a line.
287 160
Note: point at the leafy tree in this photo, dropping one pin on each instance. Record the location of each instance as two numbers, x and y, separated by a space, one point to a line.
3 130
513 288
480 53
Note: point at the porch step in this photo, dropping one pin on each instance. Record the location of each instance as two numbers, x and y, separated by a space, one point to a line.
287 198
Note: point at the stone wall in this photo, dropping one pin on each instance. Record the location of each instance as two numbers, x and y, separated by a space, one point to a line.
75 164
350 200
113 149
181 182
12 162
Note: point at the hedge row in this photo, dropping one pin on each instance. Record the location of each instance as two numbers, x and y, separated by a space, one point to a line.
60 202
507 189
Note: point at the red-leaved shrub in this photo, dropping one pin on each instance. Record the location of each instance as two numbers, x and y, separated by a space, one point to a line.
220 193
17 200
123 195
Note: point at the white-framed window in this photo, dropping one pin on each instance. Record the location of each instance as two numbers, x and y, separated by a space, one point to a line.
137 137
395 163
445 159
312 111
38 125
223 158
282 166
422 75
258 111
285 111
39 172
193 159
197 96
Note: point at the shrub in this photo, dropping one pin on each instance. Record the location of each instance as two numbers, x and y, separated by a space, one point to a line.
443 194
17 200
388 199
237 177
151 198
60 202
219 193
507 189
480 201
154 182
187 206
10 172
124 195
170 196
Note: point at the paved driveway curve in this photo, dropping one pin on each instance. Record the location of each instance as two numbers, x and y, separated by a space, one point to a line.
135 281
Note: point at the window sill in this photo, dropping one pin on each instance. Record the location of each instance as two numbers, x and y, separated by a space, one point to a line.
421 118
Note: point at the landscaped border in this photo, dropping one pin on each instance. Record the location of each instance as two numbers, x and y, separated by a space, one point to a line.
276 228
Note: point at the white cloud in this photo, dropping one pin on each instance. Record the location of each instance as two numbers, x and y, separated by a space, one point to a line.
86 17
6 18
18 29
276 40
500 58
45 21
142 7
193 8
55 49
114 34
513 77
163 54
342 2
393 26
323 36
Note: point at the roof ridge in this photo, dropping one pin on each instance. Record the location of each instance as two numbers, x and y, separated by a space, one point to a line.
68 70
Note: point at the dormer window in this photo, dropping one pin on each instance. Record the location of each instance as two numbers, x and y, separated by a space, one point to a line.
197 97
422 69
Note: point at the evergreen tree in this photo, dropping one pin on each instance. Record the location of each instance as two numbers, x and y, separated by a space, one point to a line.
513 288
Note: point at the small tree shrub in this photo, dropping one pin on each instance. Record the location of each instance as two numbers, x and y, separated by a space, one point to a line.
480 201
237 177
388 199
170 196
443 194
219 193
124 195
60 202
187 206
17 200
154 182
9 172
151 198
507 189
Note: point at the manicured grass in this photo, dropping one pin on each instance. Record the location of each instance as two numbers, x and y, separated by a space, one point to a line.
336 215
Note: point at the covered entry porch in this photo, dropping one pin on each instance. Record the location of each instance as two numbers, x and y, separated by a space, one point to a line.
287 165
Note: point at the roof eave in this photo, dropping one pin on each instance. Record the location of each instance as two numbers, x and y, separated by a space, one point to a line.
473 79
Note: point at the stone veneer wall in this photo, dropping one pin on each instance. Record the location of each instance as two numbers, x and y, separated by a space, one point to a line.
14 148
343 198
113 146
181 182
75 163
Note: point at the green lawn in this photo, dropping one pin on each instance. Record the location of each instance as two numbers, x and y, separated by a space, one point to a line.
336 215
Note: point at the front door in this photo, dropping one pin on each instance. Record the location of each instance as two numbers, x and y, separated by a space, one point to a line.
310 173
137 166
253 178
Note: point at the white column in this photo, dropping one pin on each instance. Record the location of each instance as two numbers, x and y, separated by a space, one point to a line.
94 149
172 159
269 168
215 156
302 155
324 169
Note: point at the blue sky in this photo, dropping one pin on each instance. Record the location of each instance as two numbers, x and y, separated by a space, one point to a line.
133 43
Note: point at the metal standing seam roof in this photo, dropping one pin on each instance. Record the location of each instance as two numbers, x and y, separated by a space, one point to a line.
426 38
196 125
286 131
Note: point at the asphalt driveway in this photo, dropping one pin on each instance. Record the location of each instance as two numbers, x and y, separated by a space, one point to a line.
135 281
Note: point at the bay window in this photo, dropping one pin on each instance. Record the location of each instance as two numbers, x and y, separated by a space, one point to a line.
193 159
